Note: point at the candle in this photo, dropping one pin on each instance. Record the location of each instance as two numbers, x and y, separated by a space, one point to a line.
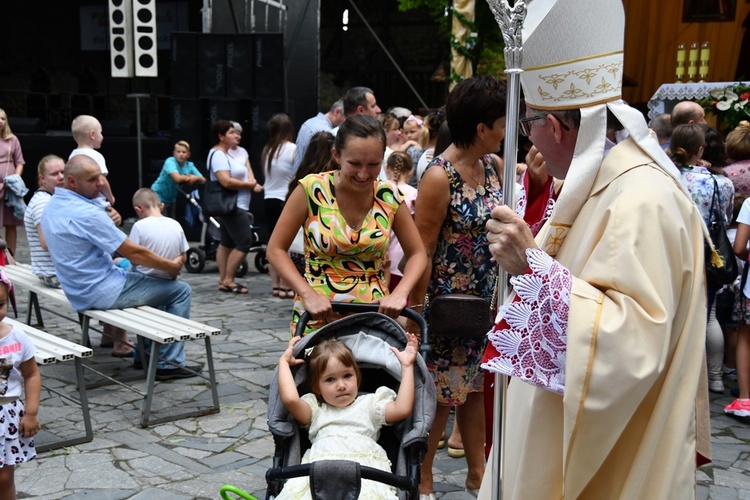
681 53
705 52
693 53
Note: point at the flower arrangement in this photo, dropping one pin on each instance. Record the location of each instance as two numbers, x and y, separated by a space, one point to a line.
731 105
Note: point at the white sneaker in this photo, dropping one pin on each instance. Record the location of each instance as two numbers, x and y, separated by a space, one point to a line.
716 386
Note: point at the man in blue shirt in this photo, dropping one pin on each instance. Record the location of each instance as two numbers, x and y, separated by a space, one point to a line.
81 238
319 123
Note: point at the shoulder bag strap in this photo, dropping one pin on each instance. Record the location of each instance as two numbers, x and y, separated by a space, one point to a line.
714 201
210 155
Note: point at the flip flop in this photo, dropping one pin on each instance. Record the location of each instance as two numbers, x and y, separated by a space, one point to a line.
456 452
238 289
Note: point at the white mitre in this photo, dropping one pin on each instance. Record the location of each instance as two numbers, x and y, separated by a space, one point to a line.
573 58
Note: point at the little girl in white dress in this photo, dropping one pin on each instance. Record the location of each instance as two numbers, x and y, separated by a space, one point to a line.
343 426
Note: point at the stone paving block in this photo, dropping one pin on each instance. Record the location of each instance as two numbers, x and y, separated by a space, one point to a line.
722 493
731 479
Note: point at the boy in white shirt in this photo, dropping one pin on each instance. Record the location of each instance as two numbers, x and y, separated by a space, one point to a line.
87 132
162 235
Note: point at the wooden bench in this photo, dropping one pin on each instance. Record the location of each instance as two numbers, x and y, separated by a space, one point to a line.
145 322
49 350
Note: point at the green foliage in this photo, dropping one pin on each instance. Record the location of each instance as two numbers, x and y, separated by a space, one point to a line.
485 50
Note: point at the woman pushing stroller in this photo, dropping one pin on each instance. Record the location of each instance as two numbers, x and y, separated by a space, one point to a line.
347 216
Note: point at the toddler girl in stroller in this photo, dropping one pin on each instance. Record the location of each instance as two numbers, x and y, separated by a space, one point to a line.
344 426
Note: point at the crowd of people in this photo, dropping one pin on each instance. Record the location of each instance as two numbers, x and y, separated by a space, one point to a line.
607 331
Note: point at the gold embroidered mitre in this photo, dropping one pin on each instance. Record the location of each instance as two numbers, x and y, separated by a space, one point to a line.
572 53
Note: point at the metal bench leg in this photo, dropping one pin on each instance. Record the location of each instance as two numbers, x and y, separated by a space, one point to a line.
212 375
88 434
85 330
150 380
34 306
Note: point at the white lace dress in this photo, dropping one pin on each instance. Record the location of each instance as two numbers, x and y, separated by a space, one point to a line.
348 433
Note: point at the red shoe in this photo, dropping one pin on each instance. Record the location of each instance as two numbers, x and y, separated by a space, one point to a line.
738 408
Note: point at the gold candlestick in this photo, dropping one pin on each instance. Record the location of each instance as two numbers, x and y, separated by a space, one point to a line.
692 70
680 69
703 68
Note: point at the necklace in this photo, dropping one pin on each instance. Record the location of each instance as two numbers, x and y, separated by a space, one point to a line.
360 219
479 185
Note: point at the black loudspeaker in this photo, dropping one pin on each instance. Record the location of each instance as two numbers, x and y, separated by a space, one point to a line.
27 125
211 66
268 67
183 64
118 128
239 72
228 109
188 125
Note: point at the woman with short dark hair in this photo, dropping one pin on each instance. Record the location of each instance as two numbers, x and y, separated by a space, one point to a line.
457 192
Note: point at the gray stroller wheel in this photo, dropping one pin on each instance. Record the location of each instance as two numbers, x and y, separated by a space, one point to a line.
261 262
196 260
241 270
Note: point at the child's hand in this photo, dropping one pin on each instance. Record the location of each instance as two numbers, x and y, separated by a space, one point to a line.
29 425
288 355
408 356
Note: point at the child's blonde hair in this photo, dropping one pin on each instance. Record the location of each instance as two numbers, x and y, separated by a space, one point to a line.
400 164
82 125
146 198
184 144
318 361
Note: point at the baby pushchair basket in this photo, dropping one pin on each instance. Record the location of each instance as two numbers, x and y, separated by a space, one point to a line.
369 335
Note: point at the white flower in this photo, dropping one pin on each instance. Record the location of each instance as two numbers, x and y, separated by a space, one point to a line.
723 105
717 93
738 106
731 95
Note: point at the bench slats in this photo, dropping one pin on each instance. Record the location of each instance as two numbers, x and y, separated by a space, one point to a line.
121 319
208 329
168 322
44 357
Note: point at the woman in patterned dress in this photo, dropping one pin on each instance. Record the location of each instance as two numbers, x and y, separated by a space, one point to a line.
347 216
456 195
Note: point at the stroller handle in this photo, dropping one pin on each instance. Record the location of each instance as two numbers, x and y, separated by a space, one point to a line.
371 473
355 307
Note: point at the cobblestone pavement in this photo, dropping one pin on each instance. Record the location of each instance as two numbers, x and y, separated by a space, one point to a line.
193 457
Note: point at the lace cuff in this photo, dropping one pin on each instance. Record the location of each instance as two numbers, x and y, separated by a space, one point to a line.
530 333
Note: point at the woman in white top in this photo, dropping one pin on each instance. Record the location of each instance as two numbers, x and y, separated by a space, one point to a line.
236 234
241 155
277 159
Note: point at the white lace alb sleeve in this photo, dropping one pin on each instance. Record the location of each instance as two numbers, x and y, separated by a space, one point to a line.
529 335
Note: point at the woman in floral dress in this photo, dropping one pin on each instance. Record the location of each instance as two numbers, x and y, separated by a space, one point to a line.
456 195
347 216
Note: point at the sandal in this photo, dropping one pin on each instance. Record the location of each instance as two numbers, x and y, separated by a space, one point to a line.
288 293
277 291
238 289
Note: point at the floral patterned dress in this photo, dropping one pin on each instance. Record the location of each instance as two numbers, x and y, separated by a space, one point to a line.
462 264
340 263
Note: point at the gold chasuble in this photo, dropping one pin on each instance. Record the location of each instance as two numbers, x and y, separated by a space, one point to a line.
626 426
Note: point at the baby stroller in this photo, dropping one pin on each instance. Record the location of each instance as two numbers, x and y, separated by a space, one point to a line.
197 256
369 336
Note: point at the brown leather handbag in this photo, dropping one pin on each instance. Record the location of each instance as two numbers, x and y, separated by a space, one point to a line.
460 315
